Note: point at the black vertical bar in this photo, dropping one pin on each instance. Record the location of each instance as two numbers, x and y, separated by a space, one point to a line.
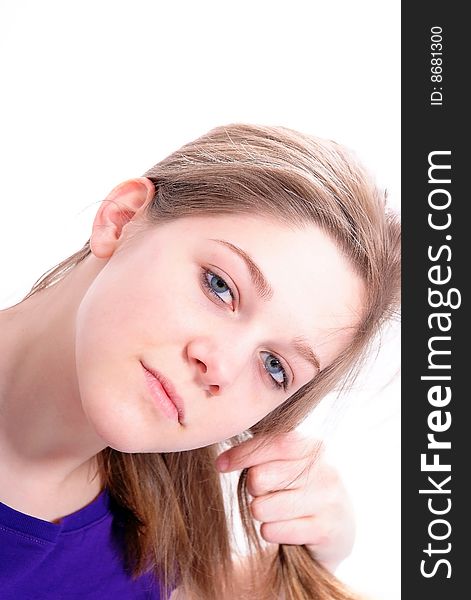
436 256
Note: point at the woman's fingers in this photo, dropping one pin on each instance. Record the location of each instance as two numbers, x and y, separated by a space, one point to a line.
263 449
296 531
314 508
276 475
283 474
281 506
292 504
297 497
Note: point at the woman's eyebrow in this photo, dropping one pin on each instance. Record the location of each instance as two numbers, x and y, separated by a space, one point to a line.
265 292
307 352
264 289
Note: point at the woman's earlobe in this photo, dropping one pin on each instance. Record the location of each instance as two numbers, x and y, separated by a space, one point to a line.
123 204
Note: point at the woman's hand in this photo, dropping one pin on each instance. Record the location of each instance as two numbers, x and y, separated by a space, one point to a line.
298 497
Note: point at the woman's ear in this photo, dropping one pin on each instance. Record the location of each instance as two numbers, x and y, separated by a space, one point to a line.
123 204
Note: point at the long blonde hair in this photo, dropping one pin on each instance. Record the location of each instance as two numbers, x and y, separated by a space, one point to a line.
171 505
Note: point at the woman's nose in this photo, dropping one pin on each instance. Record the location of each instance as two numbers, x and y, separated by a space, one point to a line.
216 365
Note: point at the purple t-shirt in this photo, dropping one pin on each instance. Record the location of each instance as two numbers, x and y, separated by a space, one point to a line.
76 559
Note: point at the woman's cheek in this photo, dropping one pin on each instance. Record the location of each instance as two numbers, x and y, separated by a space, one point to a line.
188 311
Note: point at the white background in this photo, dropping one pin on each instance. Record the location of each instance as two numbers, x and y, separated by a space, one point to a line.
96 92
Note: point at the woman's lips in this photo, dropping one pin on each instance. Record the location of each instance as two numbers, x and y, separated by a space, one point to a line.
164 394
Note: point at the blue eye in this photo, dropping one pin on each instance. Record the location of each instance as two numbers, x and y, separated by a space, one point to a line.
216 286
277 373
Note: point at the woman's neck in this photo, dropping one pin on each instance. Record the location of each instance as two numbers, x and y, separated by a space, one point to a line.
46 441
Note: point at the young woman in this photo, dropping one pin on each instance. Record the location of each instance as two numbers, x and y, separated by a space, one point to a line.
218 299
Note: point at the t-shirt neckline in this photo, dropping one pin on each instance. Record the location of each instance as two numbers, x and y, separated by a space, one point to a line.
45 530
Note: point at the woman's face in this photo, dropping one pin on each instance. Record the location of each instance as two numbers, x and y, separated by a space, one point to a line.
219 306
